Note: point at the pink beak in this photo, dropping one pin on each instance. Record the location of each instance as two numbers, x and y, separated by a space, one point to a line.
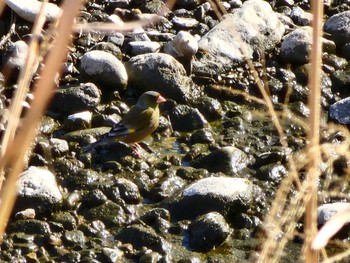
160 99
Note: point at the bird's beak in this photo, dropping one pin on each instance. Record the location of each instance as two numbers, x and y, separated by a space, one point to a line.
160 99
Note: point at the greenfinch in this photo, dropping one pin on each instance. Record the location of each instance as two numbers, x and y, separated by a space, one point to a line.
141 121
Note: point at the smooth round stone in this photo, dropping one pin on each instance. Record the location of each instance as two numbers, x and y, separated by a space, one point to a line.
143 47
326 211
38 189
184 45
340 111
78 121
104 70
225 195
208 231
184 22
29 9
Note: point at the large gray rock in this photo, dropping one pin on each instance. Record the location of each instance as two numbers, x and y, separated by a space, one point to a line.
159 72
254 26
340 111
29 9
225 195
229 160
338 27
38 189
104 69
296 46
77 98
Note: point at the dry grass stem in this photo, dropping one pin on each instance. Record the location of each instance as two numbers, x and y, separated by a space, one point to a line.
311 255
15 109
16 151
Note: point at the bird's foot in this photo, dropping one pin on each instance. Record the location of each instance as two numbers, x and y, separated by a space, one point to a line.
137 150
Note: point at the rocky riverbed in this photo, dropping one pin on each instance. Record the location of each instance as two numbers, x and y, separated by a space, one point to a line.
206 178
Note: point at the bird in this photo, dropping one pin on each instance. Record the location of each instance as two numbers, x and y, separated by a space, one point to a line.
138 123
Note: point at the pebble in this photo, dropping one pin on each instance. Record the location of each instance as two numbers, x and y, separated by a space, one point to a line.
29 9
59 147
183 46
78 121
184 23
296 46
337 27
208 232
186 119
300 17
159 72
221 194
228 160
15 58
74 99
143 47
38 189
339 111
104 70
326 211
143 236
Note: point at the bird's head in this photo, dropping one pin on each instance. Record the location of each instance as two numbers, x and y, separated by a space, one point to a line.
150 99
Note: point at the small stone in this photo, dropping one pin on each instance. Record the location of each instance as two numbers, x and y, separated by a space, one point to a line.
29 9
186 119
159 72
143 47
78 121
183 46
225 195
77 98
339 111
228 160
104 69
184 23
208 231
38 189
59 147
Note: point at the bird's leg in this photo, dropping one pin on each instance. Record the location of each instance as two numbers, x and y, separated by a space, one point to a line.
137 150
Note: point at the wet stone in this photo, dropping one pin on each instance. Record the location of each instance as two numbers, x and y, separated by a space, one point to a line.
74 238
105 70
38 189
167 187
129 191
78 121
339 111
209 107
272 172
225 195
68 221
229 160
30 226
94 198
141 236
208 231
202 136
76 98
184 118
110 213
110 255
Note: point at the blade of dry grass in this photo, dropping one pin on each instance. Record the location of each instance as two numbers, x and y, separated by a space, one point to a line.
16 151
314 132
12 119
2 5
330 229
